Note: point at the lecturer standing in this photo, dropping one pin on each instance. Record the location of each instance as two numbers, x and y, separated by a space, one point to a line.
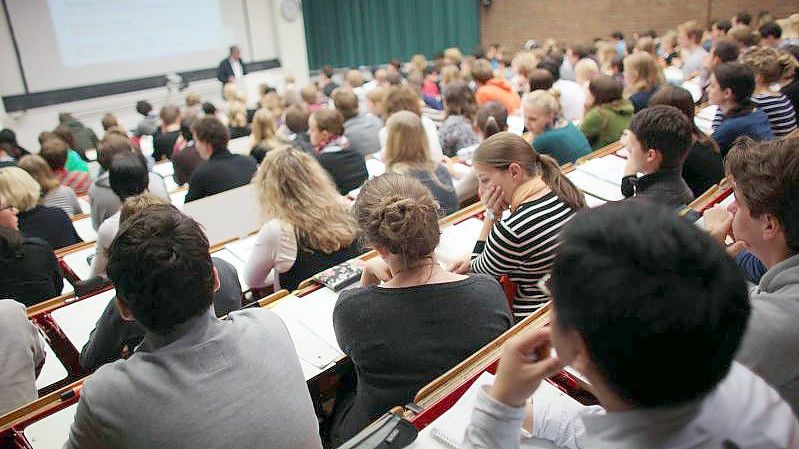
232 69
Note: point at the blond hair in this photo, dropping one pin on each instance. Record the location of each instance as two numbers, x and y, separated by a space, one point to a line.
272 102
419 62
449 73
545 100
192 99
137 203
237 115
354 78
293 188
230 92
453 55
264 128
309 93
38 168
646 73
524 63
19 188
585 69
406 144
646 44
692 29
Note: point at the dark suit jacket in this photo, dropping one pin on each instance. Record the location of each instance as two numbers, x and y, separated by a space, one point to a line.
225 70
223 171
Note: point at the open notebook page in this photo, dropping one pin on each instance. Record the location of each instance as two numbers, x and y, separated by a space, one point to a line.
458 240
609 168
595 186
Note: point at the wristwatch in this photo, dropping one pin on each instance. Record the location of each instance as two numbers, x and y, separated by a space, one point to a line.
490 215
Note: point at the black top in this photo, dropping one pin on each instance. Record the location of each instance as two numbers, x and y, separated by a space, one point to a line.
309 262
225 70
665 187
702 168
112 334
303 141
185 162
50 224
164 143
791 91
32 275
329 88
347 167
400 339
223 171
640 100
238 131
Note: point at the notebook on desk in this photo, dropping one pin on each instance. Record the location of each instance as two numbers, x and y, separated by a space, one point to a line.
458 240
595 186
608 168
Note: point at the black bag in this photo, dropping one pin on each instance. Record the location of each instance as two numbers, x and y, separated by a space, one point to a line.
391 431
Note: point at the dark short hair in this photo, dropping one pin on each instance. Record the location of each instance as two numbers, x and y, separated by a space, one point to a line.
8 136
128 175
329 120
54 151
666 129
726 50
297 118
723 25
327 70
143 107
667 292
739 78
617 35
209 108
772 29
64 133
211 130
605 89
161 268
346 102
766 178
743 17
551 66
541 79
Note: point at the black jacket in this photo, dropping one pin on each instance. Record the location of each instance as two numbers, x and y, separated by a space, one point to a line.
223 171
50 224
31 275
664 187
225 70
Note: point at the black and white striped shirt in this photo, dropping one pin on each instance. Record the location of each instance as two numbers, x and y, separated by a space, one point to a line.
523 247
781 116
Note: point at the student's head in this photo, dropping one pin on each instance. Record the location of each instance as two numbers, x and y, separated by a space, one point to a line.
19 189
742 18
541 79
603 89
65 117
459 100
398 216
296 118
659 138
481 71
541 110
209 109
264 127
654 265
237 115
346 102
230 92
551 66
309 94
731 86
8 217
523 63
766 207
646 45
379 75
617 36
768 65
719 29
38 168
109 121
585 70
109 147
770 34
143 107
576 52
210 136
430 73
375 101
453 56
508 161
725 50
641 72
294 188
325 124
161 268
128 175
681 99
406 143
491 118
689 34
54 151
193 99
135 204
354 78
170 114
64 133
744 36
401 98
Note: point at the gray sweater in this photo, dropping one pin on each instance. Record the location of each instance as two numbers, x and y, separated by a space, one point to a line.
210 384
771 344
22 354
104 202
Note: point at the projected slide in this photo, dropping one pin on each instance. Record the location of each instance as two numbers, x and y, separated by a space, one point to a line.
93 32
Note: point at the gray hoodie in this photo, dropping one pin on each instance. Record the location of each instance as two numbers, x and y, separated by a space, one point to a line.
104 202
771 344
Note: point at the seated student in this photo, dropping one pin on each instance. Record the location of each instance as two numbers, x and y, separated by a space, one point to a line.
113 337
56 152
297 125
541 201
406 153
326 80
770 35
626 345
50 224
8 138
790 81
490 119
83 137
658 141
346 166
53 194
493 89
308 229
642 77
690 40
75 161
724 51
405 292
149 123
769 67
167 134
223 170
459 107
572 95
104 202
237 120
185 161
731 87
264 135
31 273
763 218
550 133
361 130
203 373
22 352
403 98
607 113
703 165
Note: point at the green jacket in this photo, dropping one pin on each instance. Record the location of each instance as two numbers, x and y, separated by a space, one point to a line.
603 124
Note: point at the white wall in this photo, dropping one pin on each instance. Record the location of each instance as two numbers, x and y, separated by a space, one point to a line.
269 31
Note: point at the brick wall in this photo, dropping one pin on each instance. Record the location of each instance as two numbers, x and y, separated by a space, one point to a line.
513 22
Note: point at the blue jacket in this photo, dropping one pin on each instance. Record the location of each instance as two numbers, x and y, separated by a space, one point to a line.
753 124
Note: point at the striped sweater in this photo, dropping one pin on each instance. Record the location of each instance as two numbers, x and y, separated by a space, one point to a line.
523 247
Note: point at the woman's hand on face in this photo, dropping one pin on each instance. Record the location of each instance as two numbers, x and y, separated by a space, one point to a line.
493 198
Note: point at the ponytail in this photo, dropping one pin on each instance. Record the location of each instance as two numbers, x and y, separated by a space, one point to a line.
491 127
559 183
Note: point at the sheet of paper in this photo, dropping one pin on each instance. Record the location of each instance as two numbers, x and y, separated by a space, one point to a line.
228 256
310 347
53 370
458 240
595 186
592 201
609 168
178 198
51 432
85 229
242 248
240 145
79 263
375 167
315 311
78 319
451 426
727 201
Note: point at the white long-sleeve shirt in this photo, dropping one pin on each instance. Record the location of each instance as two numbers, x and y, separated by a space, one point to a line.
275 248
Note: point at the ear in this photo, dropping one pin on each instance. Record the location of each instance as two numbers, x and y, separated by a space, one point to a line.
771 227
727 93
124 311
654 156
216 280
516 171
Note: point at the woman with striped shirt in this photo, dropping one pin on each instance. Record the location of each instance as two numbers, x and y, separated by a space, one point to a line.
769 67
541 200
